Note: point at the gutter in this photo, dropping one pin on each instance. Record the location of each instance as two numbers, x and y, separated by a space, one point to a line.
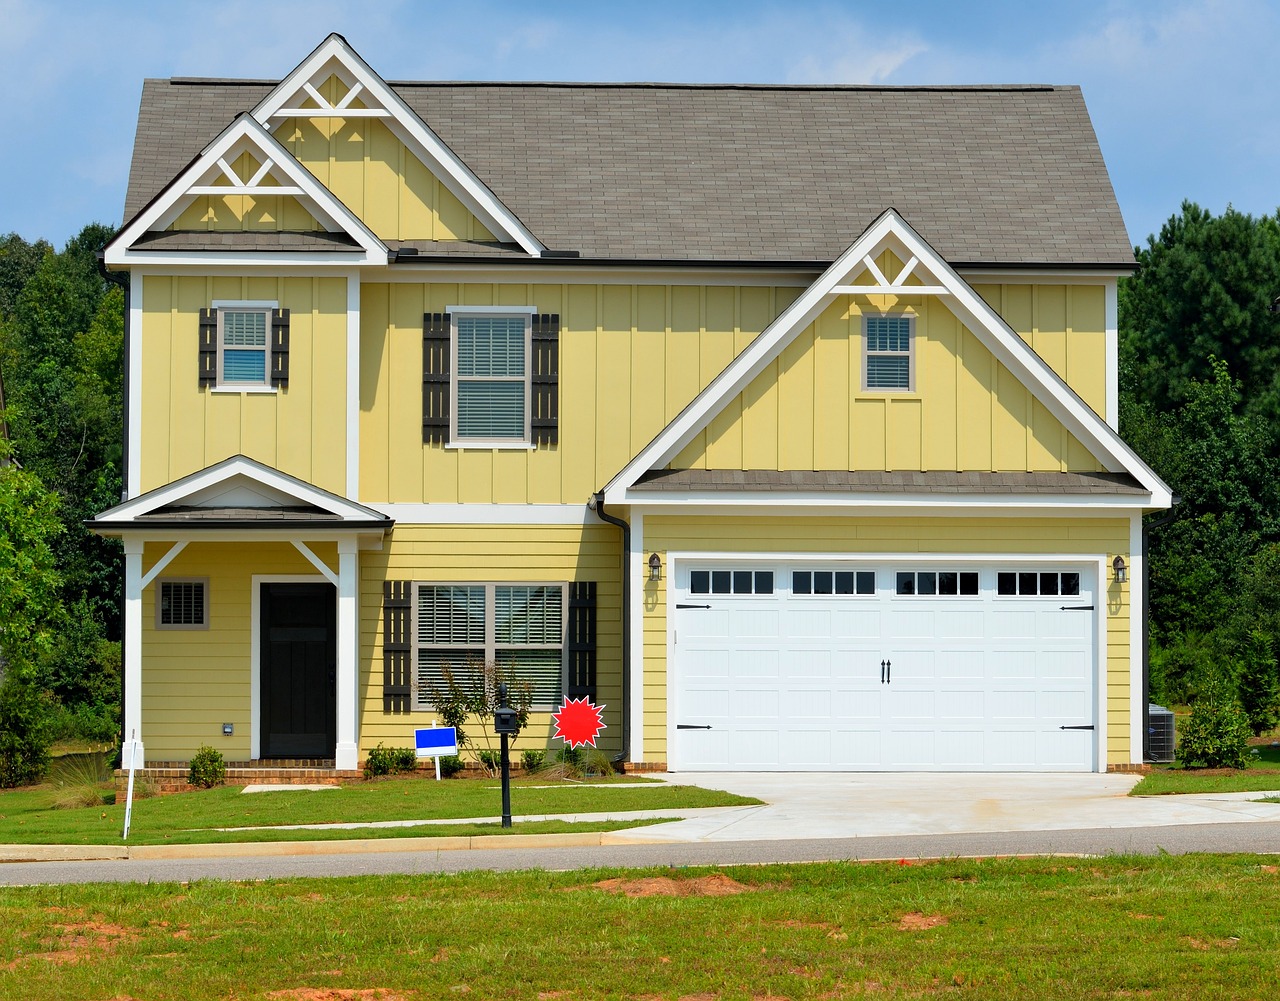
597 505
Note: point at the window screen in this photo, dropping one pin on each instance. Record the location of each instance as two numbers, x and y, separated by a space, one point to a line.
492 374
888 352
243 346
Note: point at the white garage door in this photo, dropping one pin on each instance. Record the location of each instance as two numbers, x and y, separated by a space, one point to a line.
822 667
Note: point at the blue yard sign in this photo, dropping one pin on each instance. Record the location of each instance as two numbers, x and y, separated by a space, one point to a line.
435 741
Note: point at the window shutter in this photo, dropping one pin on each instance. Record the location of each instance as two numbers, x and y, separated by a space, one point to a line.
582 639
435 377
397 645
279 347
208 347
545 419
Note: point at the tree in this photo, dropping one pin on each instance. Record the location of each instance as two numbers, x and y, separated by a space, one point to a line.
1202 291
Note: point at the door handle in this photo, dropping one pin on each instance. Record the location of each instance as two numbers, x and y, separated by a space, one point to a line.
888 672
882 672
691 726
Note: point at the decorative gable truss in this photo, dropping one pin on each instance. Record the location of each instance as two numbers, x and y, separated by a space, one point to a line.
924 273
274 172
369 96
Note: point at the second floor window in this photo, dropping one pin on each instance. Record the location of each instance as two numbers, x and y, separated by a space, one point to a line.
243 347
888 353
491 376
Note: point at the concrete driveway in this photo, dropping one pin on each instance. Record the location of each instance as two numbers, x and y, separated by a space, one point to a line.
850 805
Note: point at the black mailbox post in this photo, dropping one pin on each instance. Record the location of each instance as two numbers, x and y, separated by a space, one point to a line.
506 723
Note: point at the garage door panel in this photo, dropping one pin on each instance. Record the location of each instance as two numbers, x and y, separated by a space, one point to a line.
795 681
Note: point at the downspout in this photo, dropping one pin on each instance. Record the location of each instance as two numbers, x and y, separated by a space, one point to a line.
1146 625
597 504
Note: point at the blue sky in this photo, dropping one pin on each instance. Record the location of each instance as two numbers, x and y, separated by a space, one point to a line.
1184 94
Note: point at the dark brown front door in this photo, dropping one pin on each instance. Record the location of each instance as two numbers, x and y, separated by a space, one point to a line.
299 665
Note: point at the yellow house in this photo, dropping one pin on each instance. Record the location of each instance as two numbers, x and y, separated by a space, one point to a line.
781 421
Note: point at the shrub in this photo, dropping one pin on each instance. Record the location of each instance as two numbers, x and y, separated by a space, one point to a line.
450 765
1217 734
390 761
1259 685
598 762
492 760
208 769
25 731
532 760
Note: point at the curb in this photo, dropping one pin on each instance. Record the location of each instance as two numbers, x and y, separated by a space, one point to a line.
242 849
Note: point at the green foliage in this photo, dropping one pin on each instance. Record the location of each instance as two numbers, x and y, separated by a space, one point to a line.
1185 665
597 762
492 760
29 580
1217 734
531 760
472 691
450 765
25 731
389 761
1259 683
207 768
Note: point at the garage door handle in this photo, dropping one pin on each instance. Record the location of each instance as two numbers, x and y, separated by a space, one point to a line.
1088 727
691 726
1075 608
886 671
692 606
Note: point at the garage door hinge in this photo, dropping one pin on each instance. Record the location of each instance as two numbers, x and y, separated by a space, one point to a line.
1086 727
678 605
1075 608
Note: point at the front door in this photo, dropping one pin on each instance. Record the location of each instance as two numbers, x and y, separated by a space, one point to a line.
299 667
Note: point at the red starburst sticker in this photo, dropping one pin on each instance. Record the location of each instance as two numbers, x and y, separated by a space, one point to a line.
578 722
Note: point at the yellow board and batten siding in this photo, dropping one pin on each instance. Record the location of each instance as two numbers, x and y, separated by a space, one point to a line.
299 429
974 537
469 554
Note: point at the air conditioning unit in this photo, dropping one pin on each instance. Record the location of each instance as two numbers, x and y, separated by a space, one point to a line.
1160 734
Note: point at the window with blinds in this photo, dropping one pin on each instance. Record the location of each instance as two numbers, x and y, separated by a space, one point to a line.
182 604
887 358
491 377
460 627
243 347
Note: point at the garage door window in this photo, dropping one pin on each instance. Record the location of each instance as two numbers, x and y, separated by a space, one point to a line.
948 583
731 582
1029 583
810 582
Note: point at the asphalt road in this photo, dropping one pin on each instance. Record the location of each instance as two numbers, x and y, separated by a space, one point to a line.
1261 837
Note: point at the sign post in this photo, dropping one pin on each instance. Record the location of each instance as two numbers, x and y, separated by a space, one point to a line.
435 741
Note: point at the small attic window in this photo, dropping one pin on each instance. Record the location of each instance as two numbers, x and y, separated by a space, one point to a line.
888 362
183 603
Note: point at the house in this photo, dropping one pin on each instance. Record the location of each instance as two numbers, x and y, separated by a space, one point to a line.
781 421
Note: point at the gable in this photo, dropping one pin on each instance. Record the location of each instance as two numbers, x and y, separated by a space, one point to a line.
374 173
807 410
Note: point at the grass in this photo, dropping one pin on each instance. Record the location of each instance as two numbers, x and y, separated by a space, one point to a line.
1262 775
1187 927
31 816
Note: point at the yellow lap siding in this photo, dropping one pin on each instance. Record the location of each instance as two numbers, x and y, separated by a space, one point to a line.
978 537
194 680
492 554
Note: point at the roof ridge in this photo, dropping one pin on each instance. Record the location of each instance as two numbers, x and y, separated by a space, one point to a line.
998 88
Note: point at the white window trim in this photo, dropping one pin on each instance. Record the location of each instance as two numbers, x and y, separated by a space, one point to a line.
491 647
911 353
455 439
245 306
182 626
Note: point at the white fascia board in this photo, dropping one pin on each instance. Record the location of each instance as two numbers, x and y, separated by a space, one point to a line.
784 508
826 500
205 479
248 133
264 259
410 129
364 539
893 232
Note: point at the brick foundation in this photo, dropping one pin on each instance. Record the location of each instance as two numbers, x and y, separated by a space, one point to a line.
171 776
636 767
1129 768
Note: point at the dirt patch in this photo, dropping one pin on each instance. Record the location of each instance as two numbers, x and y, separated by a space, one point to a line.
80 941
1204 945
339 994
792 923
715 885
915 921
1146 917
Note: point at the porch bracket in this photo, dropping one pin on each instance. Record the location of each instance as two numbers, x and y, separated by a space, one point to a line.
315 561
163 562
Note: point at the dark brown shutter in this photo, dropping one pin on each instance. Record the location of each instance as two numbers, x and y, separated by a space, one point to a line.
435 377
279 347
208 347
397 646
582 639
545 419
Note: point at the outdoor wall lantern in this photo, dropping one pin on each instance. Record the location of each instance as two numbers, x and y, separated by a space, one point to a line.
1120 571
655 567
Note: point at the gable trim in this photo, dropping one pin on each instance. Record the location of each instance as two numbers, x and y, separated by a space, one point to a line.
313 195
891 231
404 123
349 512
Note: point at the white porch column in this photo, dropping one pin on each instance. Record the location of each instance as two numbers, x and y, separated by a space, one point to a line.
133 645
347 752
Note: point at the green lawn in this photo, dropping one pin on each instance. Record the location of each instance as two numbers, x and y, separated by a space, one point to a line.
1262 775
27 816
1191 927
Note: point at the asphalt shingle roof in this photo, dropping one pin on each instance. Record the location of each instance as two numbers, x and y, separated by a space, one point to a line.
873 481
988 175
